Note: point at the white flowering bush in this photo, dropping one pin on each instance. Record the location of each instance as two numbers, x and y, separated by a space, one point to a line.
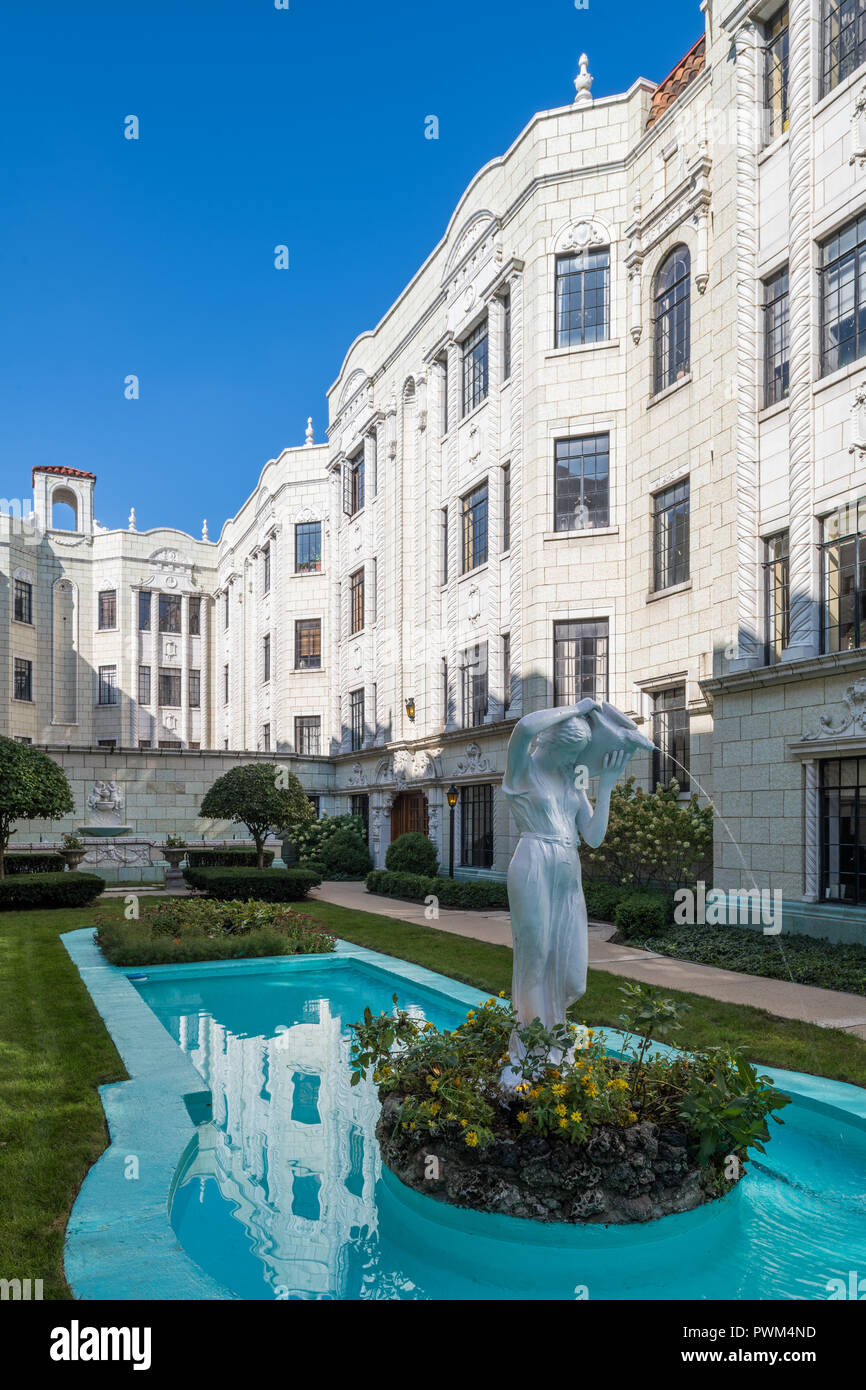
653 838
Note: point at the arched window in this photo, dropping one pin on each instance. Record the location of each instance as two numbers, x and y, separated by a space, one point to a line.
672 315
64 510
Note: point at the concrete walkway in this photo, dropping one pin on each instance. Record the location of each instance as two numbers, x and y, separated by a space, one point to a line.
827 1008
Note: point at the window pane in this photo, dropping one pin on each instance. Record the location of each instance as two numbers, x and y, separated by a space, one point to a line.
582 298
308 644
580 662
169 612
672 313
308 547
476 826
671 737
671 539
582 483
776 348
108 609
843 829
475 368
475 528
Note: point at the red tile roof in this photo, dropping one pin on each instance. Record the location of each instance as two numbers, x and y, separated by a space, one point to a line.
63 472
686 70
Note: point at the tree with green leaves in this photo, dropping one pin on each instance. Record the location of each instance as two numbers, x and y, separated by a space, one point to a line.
32 787
264 798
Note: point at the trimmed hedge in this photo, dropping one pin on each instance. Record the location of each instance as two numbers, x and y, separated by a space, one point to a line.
643 914
412 853
49 890
227 858
253 885
35 863
451 892
603 899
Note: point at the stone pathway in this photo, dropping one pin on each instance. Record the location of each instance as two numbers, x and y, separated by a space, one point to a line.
825 1007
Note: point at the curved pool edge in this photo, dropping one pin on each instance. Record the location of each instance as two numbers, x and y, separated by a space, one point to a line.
119 1240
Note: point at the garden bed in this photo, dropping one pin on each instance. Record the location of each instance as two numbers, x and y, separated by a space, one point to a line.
181 930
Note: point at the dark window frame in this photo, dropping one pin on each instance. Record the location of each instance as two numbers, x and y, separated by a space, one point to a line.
22 680
843 271
672 736
844 532
672 536
776 64
308 551
107 609
307 628
506 507
356 602
170 614
843 41
357 728
777 349
107 690
266 658
777 596
475 525
582 276
194 614
592 493
475 683
581 660
169 685
194 696
475 358
144 686
308 730
672 304
22 610
836 777
476 825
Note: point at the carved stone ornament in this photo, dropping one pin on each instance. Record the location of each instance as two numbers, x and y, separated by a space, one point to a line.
853 720
473 762
858 423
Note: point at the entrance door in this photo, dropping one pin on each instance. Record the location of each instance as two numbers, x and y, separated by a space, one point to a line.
409 815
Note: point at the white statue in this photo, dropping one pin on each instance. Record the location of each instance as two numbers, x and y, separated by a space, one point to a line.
106 803
551 757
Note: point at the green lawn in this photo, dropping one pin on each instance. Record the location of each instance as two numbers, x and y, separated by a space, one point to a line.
54 1052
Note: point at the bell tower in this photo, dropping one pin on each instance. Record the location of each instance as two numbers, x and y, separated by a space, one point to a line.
68 490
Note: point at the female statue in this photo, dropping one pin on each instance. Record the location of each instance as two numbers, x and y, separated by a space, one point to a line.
551 757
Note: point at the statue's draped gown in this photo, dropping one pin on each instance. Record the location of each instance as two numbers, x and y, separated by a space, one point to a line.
548 911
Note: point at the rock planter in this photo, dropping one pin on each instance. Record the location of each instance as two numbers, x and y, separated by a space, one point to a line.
174 857
619 1176
73 858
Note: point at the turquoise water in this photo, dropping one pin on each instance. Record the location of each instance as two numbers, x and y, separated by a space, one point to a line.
283 1196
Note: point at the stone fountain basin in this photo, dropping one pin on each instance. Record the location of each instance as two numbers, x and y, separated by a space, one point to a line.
103 832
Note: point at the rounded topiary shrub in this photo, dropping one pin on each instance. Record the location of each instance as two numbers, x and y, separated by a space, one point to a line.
49 890
413 854
642 914
345 855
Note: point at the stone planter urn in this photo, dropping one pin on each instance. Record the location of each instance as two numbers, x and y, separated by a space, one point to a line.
73 858
175 857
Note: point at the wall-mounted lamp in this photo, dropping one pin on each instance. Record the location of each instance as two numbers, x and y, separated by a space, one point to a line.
410 708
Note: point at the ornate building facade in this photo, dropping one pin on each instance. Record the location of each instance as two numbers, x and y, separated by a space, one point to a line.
609 442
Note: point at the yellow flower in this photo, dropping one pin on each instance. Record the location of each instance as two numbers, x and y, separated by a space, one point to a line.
558 1090
471 1139
576 1117
560 1110
631 1117
463 1122
563 1124
435 1108
534 1093
522 1117
432 1083
502 994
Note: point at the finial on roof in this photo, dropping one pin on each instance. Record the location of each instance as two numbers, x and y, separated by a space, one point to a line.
583 83
311 435
204 531
132 519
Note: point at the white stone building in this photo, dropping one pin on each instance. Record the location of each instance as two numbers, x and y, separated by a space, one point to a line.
609 441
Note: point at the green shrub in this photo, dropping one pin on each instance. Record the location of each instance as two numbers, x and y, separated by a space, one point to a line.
315 866
310 839
412 854
47 863
345 856
227 858
261 885
197 929
642 914
49 890
804 959
603 899
451 892
653 839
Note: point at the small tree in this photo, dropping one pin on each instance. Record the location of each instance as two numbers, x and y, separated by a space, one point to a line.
32 787
262 797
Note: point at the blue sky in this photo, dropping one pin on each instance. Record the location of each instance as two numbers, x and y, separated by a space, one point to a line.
259 127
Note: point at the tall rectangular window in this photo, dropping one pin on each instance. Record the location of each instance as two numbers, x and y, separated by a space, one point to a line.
671 738
308 547
23 609
308 729
144 685
842 791
444 545
195 689
776 74
266 658
195 617
308 644
671 537
169 687
144 607
108 685
582 298
226 610
580 661
446 701
445 397
843 40
777 360
506 507
582 483
506 672
843 551
353 484
475 685
476 367
266 570
266 738
22 680
169 613
777 597
506 336
476 826
356 720
107 609
356 594
843 296
225 686
360 806
475 506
